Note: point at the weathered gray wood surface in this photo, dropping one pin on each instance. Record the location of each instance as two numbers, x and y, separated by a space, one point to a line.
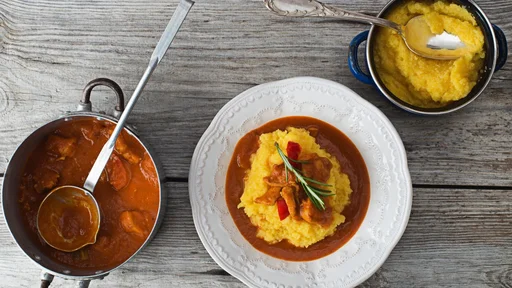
459 234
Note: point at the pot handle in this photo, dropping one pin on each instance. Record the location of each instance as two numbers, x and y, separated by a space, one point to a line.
85 102
501 39
353 64
46 279
83 283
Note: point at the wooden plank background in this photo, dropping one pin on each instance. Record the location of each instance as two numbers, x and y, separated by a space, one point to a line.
460 229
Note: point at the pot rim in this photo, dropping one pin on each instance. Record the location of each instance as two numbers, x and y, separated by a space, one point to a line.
100 274
416 110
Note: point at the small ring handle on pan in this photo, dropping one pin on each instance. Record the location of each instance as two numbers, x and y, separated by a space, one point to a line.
85 102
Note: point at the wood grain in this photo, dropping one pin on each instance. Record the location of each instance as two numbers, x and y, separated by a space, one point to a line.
49 50
455 238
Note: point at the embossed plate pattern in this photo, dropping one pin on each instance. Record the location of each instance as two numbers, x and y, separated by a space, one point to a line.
376 139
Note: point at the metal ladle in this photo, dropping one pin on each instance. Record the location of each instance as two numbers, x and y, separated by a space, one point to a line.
416 33
62 216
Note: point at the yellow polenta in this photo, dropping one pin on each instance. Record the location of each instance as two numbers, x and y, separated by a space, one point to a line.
424 82
270 228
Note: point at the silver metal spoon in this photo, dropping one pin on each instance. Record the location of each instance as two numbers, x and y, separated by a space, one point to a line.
81 198
416 33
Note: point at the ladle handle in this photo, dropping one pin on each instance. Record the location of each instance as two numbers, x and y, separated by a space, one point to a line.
313 8
172 28
161 47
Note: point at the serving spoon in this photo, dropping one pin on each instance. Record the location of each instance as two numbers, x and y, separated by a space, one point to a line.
416 33
69 216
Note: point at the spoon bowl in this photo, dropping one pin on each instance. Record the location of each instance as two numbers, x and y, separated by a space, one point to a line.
420 40
68 218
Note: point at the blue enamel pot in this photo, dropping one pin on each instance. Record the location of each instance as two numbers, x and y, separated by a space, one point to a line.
496 57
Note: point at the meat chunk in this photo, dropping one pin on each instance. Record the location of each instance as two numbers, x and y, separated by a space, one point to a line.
91 132
318 168
312 215
60 146
270 197
45 180
276 181
278 177
122 147
313 130
118 174
103 244
135 222
148 169
290 197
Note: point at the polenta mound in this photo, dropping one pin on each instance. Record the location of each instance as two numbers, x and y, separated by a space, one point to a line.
299 233
425 82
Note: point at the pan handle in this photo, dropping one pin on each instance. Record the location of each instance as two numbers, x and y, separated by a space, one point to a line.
85 102
83 283
46 279
86 282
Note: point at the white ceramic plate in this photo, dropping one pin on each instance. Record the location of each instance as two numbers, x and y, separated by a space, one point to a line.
377 141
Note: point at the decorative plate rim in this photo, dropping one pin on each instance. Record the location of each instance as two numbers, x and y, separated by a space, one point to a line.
390 245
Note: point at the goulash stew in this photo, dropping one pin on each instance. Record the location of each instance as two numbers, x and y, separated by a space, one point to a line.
127 192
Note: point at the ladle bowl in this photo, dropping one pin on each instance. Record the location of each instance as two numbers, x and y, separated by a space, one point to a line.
68 218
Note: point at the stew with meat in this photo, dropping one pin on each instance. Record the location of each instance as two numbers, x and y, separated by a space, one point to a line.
127 192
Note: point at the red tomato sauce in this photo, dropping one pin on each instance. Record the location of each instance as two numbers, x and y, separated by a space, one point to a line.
128 192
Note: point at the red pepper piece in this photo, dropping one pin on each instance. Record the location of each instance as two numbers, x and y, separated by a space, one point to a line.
282 209
293 150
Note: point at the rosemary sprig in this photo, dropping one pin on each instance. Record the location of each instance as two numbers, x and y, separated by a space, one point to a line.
313 193
299 161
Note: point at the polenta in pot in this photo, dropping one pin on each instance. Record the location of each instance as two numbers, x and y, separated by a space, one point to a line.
425 82
297 188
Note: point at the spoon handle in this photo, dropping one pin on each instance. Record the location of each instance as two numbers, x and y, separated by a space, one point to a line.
161 47
313 8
